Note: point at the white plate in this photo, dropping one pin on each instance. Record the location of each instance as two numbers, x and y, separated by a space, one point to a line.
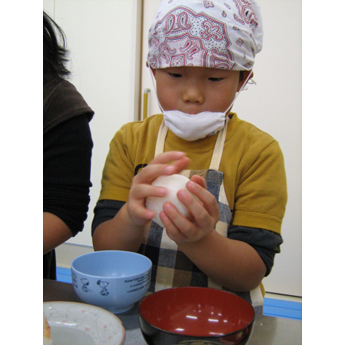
83 324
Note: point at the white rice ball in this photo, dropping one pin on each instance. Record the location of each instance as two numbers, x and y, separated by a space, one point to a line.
173 183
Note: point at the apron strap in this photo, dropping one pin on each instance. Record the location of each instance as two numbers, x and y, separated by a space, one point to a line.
218 147
162 133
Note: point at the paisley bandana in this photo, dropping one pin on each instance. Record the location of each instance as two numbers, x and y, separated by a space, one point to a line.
223 34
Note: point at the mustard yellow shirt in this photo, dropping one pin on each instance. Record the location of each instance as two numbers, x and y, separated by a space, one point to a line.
252 163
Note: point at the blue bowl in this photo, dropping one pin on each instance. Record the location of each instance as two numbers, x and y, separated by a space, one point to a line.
113 280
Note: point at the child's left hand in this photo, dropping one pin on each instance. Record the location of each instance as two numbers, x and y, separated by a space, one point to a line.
203 213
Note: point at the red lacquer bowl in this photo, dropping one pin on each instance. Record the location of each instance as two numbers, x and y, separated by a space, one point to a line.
189 314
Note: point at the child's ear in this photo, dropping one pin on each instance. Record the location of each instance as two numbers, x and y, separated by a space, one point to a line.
243 78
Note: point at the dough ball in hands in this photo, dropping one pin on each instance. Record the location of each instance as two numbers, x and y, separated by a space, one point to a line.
173 183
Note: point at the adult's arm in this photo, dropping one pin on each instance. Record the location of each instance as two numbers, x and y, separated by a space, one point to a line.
55 232
66 180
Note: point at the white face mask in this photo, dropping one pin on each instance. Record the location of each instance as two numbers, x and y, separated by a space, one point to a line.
193 127
197 126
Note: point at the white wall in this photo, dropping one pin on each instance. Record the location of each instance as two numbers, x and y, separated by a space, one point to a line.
275 106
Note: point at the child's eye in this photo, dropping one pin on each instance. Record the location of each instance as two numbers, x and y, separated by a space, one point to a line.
215 79
175 75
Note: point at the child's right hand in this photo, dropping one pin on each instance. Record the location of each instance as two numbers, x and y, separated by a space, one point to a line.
141 187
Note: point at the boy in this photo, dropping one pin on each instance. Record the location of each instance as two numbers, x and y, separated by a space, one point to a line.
201 54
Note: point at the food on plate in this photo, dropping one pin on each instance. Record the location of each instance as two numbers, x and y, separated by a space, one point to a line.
173 183
47 338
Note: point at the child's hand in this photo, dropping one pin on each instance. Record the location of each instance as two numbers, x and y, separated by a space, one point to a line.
203 213
141 185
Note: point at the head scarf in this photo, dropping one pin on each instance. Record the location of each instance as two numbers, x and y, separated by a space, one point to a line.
223 34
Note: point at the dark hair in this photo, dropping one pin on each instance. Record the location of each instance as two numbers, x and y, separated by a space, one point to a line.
55 53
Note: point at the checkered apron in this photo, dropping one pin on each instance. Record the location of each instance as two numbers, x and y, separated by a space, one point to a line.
170 266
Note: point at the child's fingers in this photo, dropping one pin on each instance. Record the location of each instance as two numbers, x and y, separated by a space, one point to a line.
179 228
203 213
180 164
208 200
173 162
159 166
139 214
136 202
167 157
173 230
144 213
143 191
201 218
199 180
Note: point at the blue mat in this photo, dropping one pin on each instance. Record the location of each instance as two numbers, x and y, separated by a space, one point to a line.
281 308
272 306
63 275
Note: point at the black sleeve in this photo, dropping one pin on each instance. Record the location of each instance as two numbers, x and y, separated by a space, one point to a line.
265 242
66 171
105 210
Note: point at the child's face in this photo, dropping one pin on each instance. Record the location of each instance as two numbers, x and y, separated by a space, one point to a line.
196 89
